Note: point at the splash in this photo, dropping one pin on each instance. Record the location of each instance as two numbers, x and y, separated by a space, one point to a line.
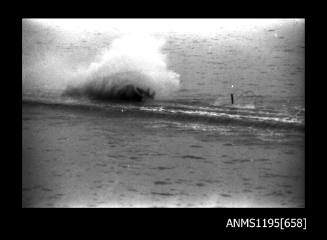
122 66
133 68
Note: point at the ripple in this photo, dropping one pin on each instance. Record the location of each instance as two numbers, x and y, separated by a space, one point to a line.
247 190
162 168
275 193
262 160
228 144
100 164
163 194
192 157
161 183
237 161
46 190
196 146
200 184
225 195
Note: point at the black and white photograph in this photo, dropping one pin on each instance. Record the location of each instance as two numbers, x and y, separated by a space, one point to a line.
163 113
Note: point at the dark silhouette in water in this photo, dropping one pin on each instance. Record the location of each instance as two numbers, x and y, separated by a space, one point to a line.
128 92
132 93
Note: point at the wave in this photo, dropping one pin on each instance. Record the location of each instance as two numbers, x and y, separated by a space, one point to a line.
133 68
170 110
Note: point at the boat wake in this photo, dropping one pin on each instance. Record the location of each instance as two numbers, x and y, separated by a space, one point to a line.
181 111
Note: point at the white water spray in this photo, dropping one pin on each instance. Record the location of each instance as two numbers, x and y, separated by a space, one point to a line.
129 60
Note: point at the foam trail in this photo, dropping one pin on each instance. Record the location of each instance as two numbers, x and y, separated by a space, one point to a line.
132 62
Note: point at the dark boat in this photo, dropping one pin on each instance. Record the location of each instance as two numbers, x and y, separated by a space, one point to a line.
127 92
132 93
